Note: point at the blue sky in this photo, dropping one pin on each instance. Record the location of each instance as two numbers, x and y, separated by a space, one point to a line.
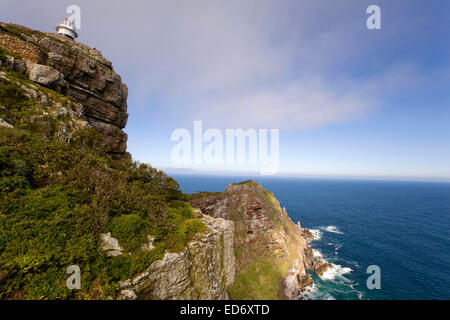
348 101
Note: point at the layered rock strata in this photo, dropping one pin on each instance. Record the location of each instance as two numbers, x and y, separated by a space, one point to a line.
75 71
204 270
264 231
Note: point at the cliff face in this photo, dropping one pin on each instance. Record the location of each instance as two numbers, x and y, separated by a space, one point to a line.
204 270
94 95
250 249
272 252
62 86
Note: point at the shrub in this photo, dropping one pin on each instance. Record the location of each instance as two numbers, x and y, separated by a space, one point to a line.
15 102
126 266
57 196
130 229
2 55
180 228
258 281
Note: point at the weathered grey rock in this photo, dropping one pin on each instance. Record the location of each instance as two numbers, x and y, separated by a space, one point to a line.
262 229
110 245
149 246
292 287
204 270
3 123
128 295
213 260
44 75
76 71
124 284
20 66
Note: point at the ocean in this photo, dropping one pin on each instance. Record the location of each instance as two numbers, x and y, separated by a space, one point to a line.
400 226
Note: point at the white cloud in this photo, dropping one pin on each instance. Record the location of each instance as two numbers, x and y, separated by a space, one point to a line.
300 104
234 63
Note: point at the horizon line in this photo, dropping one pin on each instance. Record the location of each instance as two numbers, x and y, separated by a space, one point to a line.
186 171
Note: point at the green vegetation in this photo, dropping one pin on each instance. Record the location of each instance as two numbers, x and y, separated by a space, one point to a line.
202 194
14 104
2 54
18 109
246 182
180 227
56 197
129 229
261 280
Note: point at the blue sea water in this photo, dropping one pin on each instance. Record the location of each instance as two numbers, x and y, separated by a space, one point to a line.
400 226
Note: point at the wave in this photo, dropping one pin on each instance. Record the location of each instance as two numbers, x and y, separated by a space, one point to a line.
309 293
335 271
334 277
318 294
316 253
332 229
317 234
360 294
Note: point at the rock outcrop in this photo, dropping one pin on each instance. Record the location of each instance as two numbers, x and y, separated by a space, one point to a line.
250 250
204 270
3 123
110 245
245 225
77 72
264 232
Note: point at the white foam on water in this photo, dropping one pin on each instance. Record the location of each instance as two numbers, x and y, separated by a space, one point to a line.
329 297
332 229
318 294
317 234
309 293
336 271
316 253
359 293
336 247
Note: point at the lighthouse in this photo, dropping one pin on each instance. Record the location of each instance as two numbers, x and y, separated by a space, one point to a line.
67 28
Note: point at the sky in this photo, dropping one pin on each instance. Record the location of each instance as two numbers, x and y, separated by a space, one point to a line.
348 101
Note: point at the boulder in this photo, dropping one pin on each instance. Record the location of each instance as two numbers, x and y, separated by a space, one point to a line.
44 75
110 245
3 123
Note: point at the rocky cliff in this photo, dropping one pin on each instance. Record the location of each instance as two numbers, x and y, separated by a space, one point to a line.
250 250
204 270
272 252
92 94
53 86
238 244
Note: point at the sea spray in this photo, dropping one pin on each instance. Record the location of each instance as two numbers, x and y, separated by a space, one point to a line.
332 229
335 271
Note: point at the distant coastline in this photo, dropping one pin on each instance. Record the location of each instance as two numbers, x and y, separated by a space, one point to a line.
256 175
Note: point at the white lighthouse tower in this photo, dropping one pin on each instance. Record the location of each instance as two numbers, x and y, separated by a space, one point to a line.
67 28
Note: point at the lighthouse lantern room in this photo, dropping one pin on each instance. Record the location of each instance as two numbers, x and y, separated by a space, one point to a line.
67 28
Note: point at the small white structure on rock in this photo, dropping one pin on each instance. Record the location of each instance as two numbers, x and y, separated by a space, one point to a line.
66 27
